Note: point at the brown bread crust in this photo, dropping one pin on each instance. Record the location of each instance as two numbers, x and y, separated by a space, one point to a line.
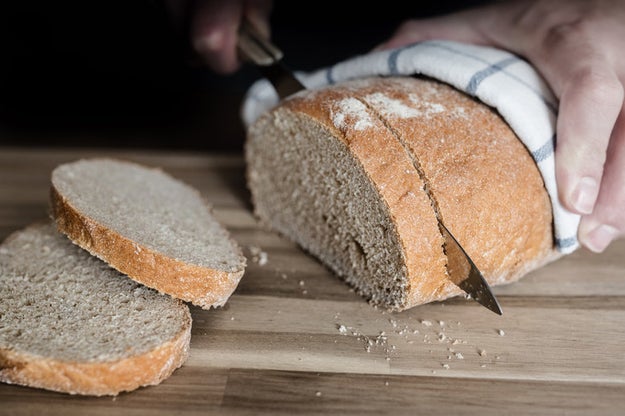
389 168
202 286
487 187
97 378
481 180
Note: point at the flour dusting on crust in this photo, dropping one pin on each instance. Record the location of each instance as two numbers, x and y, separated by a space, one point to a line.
351 113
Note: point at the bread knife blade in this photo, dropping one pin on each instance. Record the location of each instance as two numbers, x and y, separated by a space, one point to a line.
465 274
267 57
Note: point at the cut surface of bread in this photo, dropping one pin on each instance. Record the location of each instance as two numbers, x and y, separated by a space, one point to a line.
148 225
70 323
360 173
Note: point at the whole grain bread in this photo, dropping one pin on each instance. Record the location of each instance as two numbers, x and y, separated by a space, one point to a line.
70 323
359 174
148 225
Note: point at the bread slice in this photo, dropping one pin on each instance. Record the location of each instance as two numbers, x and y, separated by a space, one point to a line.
70 323
483 182
360 173
149 226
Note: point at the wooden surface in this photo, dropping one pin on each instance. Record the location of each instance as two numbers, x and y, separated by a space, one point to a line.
293 339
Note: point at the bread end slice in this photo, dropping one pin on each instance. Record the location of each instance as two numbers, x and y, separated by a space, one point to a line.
70 323
149 226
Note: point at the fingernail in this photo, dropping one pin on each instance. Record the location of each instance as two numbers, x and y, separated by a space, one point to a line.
584 196
598 239
209 43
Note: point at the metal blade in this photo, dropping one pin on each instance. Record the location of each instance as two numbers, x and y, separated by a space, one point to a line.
268 59
463 272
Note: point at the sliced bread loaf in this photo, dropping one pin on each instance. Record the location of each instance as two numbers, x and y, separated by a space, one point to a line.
360 173
148 225
70 323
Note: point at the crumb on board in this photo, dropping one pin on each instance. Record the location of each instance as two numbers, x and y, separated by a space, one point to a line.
441 339
258 255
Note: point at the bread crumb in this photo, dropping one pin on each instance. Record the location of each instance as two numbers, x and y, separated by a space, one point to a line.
386 383
318 394
501 332
342 329
258 255
445 366
481 352
459 356
425 322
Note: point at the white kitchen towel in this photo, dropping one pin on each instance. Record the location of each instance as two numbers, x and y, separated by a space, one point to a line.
496 77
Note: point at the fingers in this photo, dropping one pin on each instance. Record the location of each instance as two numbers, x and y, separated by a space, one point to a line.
591 99
458 26
607 221
590 102
575 52
215 25
214 33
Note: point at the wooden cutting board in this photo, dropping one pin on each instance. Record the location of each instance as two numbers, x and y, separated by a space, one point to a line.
294 339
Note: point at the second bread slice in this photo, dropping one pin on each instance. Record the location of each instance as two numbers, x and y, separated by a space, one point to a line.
148 225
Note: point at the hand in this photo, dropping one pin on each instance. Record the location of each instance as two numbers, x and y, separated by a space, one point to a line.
577 46
214 26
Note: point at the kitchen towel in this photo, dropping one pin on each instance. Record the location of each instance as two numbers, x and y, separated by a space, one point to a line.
496 77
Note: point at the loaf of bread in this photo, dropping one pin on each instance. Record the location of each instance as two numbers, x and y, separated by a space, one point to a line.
360 173
70 323
149 226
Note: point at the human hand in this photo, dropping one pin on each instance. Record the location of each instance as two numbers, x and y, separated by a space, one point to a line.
214 26
577 46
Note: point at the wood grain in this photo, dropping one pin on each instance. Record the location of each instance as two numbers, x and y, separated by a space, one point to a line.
294 339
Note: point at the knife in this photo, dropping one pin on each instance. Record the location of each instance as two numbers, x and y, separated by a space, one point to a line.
268 60
267 57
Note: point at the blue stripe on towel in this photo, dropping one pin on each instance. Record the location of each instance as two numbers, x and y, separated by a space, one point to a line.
544 151
394 56
330 75
553 107
563 243
480 76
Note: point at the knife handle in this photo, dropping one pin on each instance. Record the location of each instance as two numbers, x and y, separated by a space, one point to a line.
255 48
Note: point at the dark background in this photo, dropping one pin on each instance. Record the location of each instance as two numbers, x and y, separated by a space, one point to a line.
119 73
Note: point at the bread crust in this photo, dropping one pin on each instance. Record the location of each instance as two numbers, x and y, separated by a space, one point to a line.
97 378
202 286
505 226
390 170
488 189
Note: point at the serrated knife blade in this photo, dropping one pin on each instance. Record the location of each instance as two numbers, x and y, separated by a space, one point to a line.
465 274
